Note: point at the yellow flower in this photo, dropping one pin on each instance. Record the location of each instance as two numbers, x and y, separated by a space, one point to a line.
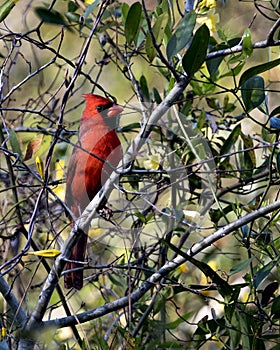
207 4
211 19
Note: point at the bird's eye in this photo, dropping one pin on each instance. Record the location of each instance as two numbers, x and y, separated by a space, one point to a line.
100 108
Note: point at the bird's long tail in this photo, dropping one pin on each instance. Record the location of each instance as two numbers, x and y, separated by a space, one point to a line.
74 279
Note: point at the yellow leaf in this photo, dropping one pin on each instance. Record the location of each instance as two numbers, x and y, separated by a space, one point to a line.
40 167
3 333
204 280
208 4
59 189
47 253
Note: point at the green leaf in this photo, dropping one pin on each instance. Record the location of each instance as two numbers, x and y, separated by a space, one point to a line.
236 58
158 31
214 63
125 9
182 35
275 308
176 323
196 54
91 8
263 107
72 7
247 46
72 17
230 141
50 16
263 273
234 333
240 267
6 8
132 22
234 71
249 73
248 143
245 331
144 88
157 96
252 92
15 143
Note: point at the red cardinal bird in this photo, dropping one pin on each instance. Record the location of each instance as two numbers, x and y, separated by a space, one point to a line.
95 155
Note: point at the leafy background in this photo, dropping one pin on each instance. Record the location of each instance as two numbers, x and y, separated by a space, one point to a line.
223 297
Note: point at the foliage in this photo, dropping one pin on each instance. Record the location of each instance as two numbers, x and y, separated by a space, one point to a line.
189 257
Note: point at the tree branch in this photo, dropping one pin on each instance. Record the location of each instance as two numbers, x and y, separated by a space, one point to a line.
90 211
162 272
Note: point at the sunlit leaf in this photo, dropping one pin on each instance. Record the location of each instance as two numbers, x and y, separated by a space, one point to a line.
132 22
125 10
6 8
252 92
234 71
3 335
176 323
196 54
247 46
182 35
47 253
40 167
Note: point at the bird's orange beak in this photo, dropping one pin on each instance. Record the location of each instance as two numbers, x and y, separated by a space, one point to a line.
114 110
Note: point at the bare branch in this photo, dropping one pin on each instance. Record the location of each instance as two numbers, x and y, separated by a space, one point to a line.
164 271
